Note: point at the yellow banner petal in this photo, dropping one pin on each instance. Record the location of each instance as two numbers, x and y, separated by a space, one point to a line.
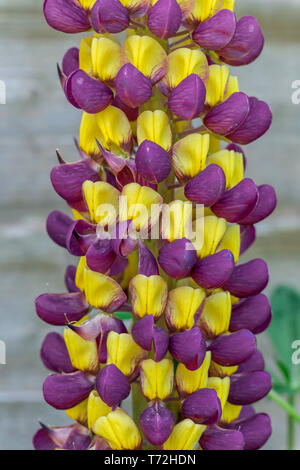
148 295
157 378
96 408
124 352
185 436
183 303
154 126
215 317
189 156
83 354
189 381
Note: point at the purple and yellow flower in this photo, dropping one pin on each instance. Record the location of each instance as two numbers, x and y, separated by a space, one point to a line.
161 128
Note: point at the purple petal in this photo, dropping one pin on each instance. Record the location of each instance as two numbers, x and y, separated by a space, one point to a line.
132 114
133 88
70 61
118 266
147 262
188 347
203 407
112 385
67 179
66 16
161 343
164 18
96 326
70 275
216 32
177 258
248 236
152 162
58 435
254 363
255 125
237 202
109 16
142 332
42 441
234 348
265 205
57 227
79 439
215 438
87 93
249 388
248 279
207 187
122 244
256 430
246 44
58 309
157 422
80 236
100 256
212 272
251 313
54 354
229 115
64 391
187 100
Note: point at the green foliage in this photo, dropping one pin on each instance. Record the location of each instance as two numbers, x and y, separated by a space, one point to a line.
283 331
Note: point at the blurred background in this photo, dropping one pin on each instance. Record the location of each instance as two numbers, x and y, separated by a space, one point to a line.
37 119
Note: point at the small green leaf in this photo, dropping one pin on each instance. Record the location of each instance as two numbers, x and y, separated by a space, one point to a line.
124 315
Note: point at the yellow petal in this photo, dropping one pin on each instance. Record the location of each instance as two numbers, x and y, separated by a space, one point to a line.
189 156
83 354
214 144
182 63
189 381
221 371
231 163
89 132
216 314
85 58
79 278
102 200
217 83
106 58
157 378
183 303
185 436
231 412
115 129
79 412
213 231
154 126
148 295
123 352
232 86
140 204
177 220
131 270
147 55
221 386
102 291
87 4
232 241
119 430
229 4
95 408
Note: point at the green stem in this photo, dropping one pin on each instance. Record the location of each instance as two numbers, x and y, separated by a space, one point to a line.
291 426
274 396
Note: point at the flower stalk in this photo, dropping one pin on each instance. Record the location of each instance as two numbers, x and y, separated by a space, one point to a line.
159 213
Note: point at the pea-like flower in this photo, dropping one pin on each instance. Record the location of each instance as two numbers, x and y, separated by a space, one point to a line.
159 214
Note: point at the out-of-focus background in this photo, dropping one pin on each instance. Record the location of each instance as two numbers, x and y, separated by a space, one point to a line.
37 119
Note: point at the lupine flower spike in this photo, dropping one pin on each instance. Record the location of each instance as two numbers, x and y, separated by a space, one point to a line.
159 213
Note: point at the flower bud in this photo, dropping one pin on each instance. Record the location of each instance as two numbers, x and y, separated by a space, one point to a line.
109 16
207 187
203 407
164 18
157 422
187 100
188 347
66 16
178 258
64 391
217 31
112 386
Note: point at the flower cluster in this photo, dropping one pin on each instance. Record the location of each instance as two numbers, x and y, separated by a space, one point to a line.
162 124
